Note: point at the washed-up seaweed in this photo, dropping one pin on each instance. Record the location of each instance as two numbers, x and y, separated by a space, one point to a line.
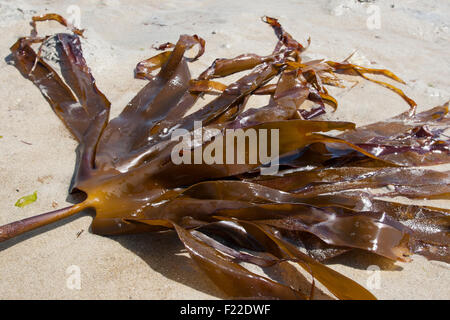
319 205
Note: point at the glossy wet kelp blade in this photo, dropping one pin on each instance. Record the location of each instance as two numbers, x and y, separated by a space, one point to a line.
368 231
77 101
414 183
131 131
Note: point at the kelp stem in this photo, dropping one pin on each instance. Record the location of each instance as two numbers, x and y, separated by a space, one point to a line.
16 228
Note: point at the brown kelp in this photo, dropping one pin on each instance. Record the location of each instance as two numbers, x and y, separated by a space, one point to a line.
317 206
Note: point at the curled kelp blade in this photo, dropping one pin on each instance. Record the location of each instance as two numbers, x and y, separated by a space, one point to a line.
283 36
144 68
230 277
54 17
234 241
352 69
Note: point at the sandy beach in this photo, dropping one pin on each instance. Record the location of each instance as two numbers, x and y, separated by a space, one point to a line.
409 37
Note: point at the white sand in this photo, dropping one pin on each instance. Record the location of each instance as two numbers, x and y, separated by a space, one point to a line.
413 42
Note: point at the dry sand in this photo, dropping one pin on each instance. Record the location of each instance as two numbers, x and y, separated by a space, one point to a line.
37 153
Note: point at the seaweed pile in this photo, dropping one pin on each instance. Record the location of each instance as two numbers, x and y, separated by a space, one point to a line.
319 205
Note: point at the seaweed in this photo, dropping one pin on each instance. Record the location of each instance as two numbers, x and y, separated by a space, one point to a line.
226 214
26 200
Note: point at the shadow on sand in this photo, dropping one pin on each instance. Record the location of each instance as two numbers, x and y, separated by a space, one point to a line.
165 254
